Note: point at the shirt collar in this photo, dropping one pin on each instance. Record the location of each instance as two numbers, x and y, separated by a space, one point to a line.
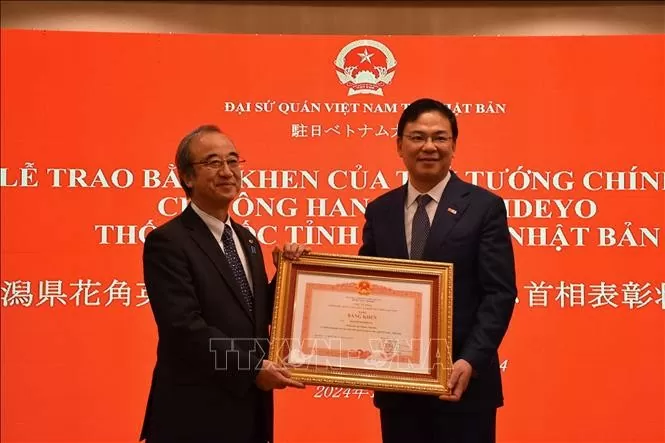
215 225
436 192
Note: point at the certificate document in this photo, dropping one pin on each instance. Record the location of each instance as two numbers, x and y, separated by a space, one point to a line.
354 323
364 322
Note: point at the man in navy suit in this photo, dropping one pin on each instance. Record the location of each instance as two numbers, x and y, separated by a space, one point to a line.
212 303
437 216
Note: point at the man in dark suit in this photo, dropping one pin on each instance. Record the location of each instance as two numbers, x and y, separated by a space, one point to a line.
455 222
212 303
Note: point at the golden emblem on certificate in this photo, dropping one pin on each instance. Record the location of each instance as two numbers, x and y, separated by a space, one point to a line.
364 322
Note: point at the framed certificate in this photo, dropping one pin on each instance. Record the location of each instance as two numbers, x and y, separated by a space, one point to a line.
364 322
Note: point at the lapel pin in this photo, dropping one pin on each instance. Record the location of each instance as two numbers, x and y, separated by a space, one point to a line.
452 211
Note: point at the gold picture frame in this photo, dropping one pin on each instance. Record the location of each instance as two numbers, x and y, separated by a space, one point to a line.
374 323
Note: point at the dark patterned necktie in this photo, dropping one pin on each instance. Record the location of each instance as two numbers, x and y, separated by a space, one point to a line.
236 266
420 227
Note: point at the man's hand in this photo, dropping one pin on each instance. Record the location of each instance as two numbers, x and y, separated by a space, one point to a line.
273 376
291 251
459 380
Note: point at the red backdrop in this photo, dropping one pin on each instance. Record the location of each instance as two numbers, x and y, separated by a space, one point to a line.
570 131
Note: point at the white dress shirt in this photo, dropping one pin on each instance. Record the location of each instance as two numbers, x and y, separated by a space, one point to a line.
410 205
217 228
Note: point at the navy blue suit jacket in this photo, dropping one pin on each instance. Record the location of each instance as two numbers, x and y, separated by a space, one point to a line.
474 237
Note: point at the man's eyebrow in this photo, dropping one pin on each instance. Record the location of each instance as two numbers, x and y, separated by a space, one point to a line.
441 131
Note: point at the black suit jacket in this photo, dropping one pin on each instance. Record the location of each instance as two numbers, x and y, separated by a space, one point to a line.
210 345
474 237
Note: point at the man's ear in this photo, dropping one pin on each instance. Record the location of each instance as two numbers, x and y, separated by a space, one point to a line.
399 147
188 178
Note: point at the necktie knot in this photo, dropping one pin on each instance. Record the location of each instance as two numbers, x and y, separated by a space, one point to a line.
423 199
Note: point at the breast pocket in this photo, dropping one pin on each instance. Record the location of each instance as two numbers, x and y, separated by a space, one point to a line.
461 236
459 241
461 245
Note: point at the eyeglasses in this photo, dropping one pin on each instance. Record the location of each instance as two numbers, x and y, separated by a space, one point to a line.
437 140
217 164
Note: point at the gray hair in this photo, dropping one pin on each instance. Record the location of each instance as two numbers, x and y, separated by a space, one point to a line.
183 156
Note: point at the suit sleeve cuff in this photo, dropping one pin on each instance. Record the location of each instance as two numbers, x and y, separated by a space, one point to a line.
475 359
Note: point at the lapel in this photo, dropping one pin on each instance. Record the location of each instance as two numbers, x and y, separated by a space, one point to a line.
395 218
453 203
207 242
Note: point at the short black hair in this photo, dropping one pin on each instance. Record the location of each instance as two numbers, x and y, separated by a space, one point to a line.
421 106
